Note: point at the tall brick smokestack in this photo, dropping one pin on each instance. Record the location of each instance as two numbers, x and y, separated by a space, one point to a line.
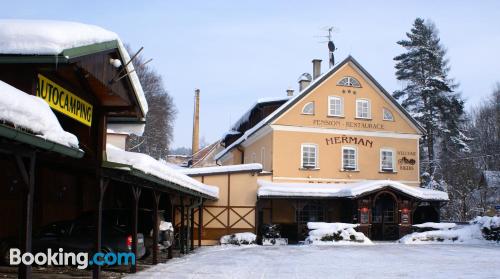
196 122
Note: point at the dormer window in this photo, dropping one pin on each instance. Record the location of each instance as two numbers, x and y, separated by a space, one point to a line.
349 81
308 108
388 115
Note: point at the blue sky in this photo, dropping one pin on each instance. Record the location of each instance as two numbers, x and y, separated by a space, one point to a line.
238 51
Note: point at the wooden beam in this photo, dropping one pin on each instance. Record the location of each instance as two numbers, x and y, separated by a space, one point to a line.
181 232
200 222
136 194
191 229
102 185
156 202
172 220
28 176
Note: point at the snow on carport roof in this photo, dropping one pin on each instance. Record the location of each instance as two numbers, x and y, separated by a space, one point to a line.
222 169
347 190
151 166
50 37
33 114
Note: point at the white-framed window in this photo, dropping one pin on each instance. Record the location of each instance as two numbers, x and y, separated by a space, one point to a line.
349 81
263 156
349 158
335 106
309 159
363 108
387 115
387 160
308 108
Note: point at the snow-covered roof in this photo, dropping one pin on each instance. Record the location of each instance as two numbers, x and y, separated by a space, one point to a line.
50 37
437 226
245 117
306 91
223 169
33 114
347 190
491 178
149 165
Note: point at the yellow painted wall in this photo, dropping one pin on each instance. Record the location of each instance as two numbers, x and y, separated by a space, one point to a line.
328 88
265 142
288 165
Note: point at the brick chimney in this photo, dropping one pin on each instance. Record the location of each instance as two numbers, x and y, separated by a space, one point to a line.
196 122
289 92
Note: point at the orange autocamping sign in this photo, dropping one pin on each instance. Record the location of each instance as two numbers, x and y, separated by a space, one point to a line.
64 101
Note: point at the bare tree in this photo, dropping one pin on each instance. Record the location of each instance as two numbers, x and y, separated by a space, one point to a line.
158 133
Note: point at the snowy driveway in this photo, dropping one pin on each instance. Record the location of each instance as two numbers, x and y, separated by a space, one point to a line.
377 261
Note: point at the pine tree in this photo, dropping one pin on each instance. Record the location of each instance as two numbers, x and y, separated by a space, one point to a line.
428 94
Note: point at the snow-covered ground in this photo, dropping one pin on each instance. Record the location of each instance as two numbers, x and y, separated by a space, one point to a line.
382 260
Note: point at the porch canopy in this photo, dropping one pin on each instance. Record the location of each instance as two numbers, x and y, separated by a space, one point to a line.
146 168
343 190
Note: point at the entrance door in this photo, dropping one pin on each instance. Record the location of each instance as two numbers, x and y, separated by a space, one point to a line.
310 211
384 218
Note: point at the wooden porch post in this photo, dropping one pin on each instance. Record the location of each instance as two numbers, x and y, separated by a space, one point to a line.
191 230
103 184
28 176
200 222
172 219
136 194
181 233
156 201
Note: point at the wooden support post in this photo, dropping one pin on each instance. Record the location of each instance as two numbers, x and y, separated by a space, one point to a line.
200 222
103 184
191 230
172 220
28 176
156 201
181 232
136 194
259 219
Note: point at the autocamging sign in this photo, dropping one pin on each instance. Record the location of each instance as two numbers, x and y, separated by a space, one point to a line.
64 101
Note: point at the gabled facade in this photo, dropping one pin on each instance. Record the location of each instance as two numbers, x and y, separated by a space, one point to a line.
343 127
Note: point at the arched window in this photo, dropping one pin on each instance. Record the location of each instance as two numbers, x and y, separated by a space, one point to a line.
349 81
308 108
388 115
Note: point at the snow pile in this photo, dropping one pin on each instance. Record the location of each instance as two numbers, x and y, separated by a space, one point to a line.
154 167
436 226
50 37
34 114
490 226
222 169
347 190
335 234
246 238
478 231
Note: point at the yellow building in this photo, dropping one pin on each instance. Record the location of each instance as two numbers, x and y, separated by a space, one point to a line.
341 150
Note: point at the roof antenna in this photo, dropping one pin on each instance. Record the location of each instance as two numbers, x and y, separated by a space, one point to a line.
331 45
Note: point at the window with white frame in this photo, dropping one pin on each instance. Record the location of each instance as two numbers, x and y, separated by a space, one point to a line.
387 115
308 108
349 81
349 158
309 156
386 160
363 108
335 106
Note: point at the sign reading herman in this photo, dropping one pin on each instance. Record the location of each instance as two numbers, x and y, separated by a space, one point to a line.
64 101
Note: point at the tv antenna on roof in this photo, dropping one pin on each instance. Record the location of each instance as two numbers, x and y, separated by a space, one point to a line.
331 45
